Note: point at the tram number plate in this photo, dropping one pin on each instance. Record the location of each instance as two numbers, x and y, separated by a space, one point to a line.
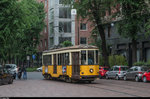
91 66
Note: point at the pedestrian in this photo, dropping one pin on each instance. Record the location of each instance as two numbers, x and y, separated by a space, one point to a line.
17 72
20 72
24 73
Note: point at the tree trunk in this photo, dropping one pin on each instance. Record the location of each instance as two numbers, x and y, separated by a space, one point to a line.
134 51
104 49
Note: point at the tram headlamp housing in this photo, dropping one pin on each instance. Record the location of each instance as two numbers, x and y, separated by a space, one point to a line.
91 70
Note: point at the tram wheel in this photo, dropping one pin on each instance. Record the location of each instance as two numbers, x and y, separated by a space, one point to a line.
68 80
49 77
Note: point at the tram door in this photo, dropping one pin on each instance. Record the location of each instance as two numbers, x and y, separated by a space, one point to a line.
55 66
75 63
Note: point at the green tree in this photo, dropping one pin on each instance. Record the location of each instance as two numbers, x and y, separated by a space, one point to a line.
21 24
94 10
10 28
66 43
133 15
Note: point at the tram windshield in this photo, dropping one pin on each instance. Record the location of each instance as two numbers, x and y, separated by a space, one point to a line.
91 56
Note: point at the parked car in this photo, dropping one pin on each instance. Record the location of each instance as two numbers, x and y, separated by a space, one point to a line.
39 69
146 76
5 76
135 73
12 68
116 72
102 71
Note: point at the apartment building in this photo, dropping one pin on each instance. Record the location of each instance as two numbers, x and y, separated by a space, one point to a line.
61 24
64 26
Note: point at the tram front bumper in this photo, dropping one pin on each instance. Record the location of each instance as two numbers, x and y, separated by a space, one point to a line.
86 78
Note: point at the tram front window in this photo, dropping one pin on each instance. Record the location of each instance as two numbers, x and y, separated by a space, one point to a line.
90 57
83 57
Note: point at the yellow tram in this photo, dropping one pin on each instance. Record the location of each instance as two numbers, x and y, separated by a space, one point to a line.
73 63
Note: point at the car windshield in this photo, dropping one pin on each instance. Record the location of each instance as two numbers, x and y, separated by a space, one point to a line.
124 68
106 68
7 66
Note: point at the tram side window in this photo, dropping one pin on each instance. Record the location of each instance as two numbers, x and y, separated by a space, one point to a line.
96 57
59 59
47 60
90 57
83 57
66 58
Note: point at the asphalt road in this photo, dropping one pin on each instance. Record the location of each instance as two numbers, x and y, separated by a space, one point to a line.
36 86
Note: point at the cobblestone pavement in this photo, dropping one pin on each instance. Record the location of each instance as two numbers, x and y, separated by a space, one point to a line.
36 86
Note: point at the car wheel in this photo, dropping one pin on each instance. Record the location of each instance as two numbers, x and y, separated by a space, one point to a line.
1 82
144 79
117 77
125 78
107 77
10 81
100 76
137 79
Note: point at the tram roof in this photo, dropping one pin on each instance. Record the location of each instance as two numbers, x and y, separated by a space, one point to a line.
72 48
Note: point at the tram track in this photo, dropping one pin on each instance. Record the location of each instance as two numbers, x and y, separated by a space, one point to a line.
119 87
108 89
127 84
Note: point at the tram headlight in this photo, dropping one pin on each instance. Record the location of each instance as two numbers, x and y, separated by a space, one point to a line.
91 70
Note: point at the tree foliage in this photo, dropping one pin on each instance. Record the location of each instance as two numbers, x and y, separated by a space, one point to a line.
94 11
66 44
21 22
134 15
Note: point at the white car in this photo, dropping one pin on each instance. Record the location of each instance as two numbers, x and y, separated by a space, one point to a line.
39 69
12 68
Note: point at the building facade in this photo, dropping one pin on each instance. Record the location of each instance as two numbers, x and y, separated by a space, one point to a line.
61 24
65 26
43 45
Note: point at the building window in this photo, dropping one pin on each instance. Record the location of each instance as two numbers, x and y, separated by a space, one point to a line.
41 44
83 40
62 39
61 1
52 28
51 41
45 3
45 44
83 26
65 27
64 12
45 29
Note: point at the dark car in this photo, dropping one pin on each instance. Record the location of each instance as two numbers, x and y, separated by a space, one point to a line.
5 76
135 73
116 72
146 76
102 71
